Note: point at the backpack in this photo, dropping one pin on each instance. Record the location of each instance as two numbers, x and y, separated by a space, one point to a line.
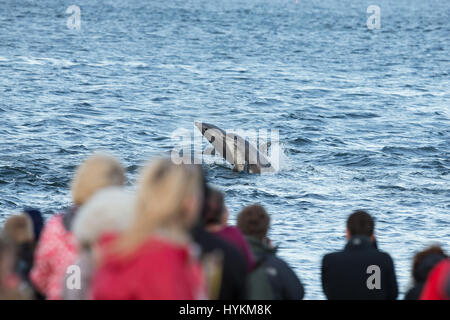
258 283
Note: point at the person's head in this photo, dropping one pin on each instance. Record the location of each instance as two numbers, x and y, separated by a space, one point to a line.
425 260
95 173
168 200
215 213
360 223
254 221
109 211
19 229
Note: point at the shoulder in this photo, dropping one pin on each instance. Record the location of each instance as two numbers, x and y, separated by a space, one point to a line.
154 249
215 242
414 293
138 262
276 262
236 234
385 257
209 242
53 227
55 221
332 256
232 230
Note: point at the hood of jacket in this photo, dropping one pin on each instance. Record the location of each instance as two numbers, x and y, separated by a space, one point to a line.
424 267
259 248
360 243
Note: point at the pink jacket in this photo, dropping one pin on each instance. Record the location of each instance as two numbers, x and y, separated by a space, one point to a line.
57 249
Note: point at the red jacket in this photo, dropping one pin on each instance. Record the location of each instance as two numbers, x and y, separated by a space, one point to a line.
157 270
437 285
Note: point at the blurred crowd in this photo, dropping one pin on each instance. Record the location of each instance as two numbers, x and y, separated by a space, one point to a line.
171 239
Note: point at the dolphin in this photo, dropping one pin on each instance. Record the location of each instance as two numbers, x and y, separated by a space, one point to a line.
239 152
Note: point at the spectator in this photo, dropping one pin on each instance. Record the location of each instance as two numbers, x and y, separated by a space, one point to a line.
109 211
57 247
233 269
154 258
272 279
345 274
216 222
19 230
11 286
423 263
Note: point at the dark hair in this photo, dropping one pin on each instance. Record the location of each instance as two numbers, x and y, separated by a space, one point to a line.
254 221
425 260
38 221
360 223
205 189
214 206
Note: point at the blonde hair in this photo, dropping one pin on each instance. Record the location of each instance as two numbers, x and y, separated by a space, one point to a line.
96 172
162 189
19 228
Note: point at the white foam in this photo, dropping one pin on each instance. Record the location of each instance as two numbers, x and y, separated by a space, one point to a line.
42 61
59 62
279 157
31 61
105 63
135 64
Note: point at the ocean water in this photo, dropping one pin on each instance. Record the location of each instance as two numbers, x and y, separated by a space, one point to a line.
363 115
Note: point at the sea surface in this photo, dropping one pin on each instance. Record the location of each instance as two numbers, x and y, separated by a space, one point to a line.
363 115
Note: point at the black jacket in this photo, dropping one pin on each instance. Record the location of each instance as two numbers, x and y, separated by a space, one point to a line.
233 284
345 273
284 283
